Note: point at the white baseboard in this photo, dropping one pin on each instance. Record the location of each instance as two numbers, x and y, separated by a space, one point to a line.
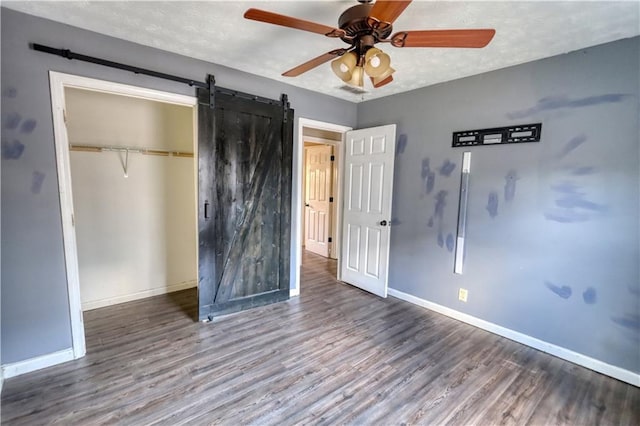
294 292
33 364
101 303
566 354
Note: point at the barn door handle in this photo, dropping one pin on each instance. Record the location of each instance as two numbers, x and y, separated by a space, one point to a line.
206 209
383 223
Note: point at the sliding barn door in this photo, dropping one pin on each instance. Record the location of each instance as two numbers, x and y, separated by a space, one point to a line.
244 174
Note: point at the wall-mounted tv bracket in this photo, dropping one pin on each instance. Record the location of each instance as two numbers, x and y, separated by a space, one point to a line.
498 135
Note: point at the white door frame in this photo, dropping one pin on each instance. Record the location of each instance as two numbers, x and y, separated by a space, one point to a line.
296 200
58 82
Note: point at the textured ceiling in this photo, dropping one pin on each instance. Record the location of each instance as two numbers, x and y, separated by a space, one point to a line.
215 31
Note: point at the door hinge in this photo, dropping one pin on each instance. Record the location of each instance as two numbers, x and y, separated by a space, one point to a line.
73 220
331 199
64 116
330 239
333 158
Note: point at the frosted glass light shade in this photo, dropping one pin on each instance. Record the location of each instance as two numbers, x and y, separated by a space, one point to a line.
344 65
383 79
376 62
357 78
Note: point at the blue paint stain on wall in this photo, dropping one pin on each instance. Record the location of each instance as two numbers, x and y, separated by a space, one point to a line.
427 175
441 203
567 188
572 144
440 239
629 321
426 168
582 171
571 201
564 291
558 102
28 126
10 92
431 181
395 221
12 150
12 120
401 145
566 216
447 168
430 223
36 182
450 242
590 296
510 185
492 204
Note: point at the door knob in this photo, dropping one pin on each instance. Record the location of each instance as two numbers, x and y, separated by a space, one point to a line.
383 223
306 205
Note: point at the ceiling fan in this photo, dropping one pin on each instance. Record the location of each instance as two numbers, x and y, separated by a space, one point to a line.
362 26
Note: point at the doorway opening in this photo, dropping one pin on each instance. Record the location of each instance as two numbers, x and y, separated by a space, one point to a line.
318 199
130 221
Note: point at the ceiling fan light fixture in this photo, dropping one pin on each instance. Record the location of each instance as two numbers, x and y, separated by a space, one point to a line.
383 79
357 78
344 66
376 62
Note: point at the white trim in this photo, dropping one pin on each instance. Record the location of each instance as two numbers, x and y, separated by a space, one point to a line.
58 82
101 303
566 354
296 199
1 379
32 364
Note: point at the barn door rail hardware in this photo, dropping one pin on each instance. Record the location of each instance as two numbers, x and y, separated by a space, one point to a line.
66 53
209 85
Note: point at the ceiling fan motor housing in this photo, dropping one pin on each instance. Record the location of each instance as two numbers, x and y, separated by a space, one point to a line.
356 24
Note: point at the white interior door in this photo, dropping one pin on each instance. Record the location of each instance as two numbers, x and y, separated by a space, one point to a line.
368 185
317 205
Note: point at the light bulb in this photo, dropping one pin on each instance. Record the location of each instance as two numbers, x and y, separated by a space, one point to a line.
375 62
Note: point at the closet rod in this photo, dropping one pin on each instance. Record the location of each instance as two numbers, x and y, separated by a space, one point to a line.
94 148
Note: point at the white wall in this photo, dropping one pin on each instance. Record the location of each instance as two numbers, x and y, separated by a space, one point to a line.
136 236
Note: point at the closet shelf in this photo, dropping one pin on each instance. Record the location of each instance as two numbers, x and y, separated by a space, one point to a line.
95 148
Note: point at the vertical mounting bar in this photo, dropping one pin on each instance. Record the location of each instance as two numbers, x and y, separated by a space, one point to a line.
211 80
462 213
284 99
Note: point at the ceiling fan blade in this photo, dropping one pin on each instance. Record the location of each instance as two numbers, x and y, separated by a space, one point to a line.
388 11
443 38
309 65
288 21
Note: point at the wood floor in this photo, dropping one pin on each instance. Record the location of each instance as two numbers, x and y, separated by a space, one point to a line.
335 355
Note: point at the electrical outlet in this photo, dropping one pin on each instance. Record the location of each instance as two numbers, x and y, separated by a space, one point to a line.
462 294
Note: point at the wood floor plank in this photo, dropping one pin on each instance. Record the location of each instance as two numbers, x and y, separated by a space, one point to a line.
334 355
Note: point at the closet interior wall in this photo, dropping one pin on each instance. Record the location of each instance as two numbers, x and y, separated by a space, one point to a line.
136 234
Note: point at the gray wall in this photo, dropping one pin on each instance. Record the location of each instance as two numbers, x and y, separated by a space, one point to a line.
552 237
35 309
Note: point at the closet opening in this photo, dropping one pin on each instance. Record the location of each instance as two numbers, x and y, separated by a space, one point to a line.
127 161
